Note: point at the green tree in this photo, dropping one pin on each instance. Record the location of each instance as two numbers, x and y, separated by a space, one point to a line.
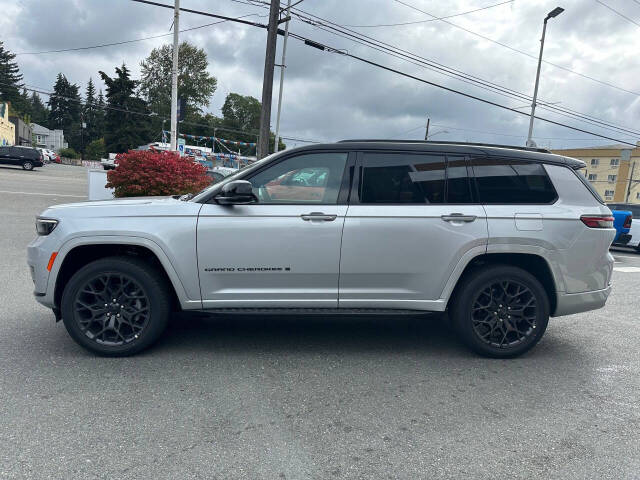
90 112
96 150
195 84
66 109
100 115
127 122
10 80
39 111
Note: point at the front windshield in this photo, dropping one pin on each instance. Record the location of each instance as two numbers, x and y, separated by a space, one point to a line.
203 193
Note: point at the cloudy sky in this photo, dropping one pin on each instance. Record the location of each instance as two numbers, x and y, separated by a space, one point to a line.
328 97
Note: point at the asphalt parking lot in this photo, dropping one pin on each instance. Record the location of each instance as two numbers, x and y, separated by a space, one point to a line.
294 398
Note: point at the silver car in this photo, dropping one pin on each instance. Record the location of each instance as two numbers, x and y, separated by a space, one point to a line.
501 238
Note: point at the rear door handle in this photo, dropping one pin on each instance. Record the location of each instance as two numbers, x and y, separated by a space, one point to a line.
318 216
458 217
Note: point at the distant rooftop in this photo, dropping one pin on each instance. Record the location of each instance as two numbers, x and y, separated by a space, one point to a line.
614 146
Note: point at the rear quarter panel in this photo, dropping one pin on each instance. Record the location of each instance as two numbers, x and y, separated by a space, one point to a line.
578 256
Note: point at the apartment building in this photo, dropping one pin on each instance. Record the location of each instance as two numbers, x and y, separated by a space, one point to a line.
609 169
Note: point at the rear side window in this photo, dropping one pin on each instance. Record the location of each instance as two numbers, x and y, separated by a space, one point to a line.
512 181
398 178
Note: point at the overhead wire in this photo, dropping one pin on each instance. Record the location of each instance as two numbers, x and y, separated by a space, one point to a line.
344 32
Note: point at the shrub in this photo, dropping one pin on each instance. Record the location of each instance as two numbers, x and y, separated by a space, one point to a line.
148 173
68 153
95 150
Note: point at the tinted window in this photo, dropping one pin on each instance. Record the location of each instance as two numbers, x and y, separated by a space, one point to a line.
312 178
412 178
458 190
512 181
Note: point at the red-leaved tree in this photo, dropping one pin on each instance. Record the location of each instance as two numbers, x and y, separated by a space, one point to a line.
148 172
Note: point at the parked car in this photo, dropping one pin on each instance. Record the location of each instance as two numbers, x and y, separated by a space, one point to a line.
622 220
26 157
53 156
219 173
634 231
45 156
501 238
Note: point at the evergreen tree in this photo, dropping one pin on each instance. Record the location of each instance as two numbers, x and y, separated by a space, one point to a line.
127 123
10 80
39 111
90 113
100 113
66 109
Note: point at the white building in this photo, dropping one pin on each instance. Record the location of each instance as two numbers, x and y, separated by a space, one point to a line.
45 138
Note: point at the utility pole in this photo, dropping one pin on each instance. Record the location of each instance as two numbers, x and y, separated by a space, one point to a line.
552 14
267 81
426 133
633 167
174 78
282 67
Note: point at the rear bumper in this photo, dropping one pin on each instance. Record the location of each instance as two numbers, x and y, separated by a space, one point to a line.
622 239
570 303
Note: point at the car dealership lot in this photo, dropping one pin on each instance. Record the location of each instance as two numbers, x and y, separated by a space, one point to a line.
292 397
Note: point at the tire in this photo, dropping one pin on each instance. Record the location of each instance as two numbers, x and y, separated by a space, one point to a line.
484 307
128 325
27 165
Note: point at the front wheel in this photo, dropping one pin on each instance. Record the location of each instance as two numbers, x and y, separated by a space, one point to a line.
116 306
500 311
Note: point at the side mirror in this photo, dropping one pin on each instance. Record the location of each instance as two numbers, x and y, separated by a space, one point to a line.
237 192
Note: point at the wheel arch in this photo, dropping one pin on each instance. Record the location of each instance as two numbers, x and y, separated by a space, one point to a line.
533 263
78 252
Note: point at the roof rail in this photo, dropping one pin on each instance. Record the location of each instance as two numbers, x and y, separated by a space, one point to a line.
429 142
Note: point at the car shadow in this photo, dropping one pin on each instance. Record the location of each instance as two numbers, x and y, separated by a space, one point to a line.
281 333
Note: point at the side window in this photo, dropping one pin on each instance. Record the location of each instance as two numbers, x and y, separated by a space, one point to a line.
458 189
512 181
402 178
311 178
414 178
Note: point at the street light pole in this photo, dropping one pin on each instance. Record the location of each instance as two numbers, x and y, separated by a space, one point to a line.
282 67
174 79
553 13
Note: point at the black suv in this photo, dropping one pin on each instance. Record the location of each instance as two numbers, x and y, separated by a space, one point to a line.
26 157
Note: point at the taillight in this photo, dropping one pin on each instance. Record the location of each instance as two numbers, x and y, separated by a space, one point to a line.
627 221
597 221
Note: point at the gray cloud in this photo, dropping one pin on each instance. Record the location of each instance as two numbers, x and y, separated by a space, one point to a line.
328 97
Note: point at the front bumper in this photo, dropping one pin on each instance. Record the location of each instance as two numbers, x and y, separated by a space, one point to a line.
570 303
38 255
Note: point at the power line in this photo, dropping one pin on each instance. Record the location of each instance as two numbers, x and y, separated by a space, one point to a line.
522 52
129 41
433 19
327 48
398 52
320 46
618 13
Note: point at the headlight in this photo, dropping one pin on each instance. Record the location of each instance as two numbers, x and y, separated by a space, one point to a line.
44 226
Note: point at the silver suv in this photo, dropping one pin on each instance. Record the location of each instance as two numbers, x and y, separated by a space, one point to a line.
500 237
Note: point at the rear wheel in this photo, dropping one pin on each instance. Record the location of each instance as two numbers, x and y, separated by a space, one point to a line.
116 306
500 311
27 165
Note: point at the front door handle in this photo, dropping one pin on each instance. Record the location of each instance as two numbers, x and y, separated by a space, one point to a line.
313 216
458 217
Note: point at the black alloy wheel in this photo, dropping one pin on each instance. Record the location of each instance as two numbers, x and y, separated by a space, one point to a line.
500 311
504 314
112 309
116 306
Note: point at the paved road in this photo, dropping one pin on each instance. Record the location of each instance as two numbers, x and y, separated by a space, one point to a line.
294 398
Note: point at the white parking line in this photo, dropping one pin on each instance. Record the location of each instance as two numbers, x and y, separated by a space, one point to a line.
45 194
627 269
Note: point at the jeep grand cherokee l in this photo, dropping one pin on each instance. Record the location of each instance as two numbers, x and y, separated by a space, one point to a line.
500 237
